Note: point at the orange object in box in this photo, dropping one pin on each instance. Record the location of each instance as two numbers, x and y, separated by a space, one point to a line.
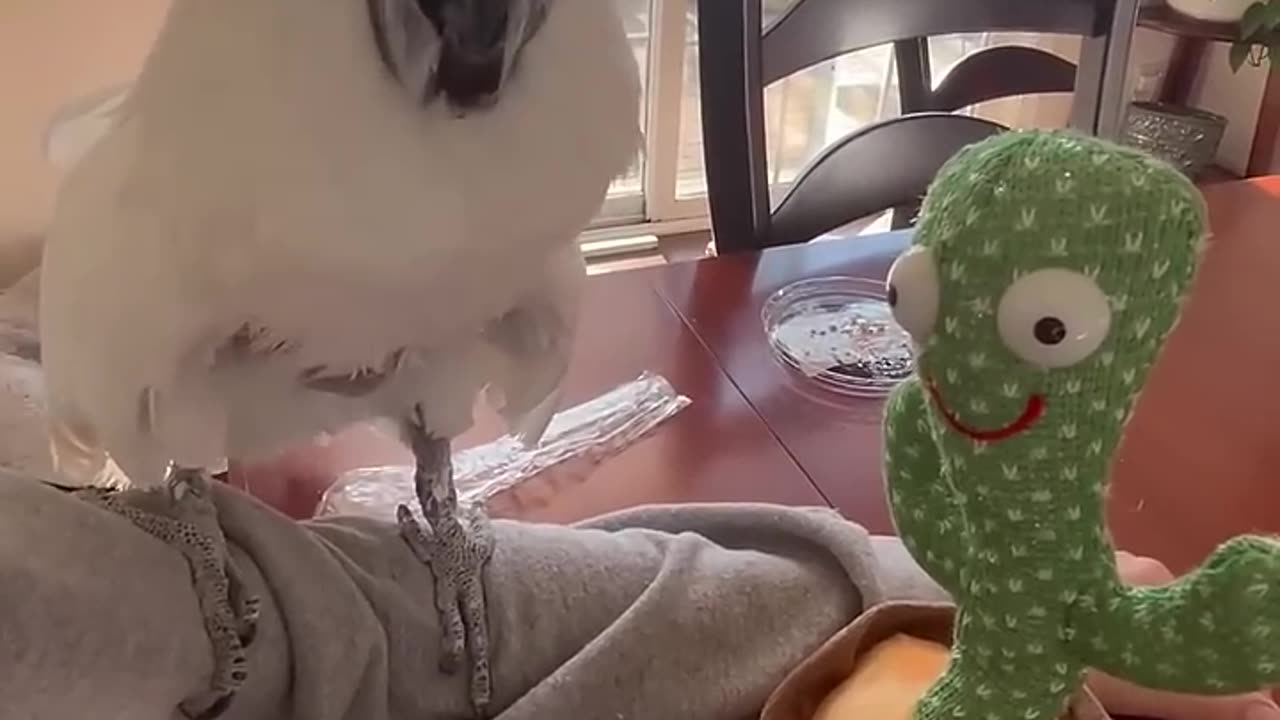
887 682
878 667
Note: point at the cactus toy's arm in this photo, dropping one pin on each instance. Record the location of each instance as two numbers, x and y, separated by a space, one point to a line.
1215 631
925 507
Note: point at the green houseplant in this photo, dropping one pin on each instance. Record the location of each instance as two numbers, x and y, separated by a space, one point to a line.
1259 36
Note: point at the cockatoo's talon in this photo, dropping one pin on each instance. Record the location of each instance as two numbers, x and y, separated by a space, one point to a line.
246 608
247 611
456 545
183 515
450 659
475 616
209 707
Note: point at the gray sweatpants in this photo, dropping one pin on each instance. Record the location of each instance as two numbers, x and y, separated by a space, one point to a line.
691 612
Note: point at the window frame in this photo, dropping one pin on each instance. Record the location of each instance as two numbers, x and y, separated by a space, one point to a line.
655 207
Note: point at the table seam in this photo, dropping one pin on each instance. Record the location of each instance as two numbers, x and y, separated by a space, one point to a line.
684 320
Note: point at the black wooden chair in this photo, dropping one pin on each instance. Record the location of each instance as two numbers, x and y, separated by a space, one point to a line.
886 165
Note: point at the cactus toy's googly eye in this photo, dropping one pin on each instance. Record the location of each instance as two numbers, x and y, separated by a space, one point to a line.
912 291
1054 318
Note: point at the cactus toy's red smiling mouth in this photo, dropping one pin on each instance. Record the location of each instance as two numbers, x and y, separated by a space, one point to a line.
1030 414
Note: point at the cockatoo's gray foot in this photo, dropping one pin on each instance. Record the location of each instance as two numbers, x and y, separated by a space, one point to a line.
456 544
182 514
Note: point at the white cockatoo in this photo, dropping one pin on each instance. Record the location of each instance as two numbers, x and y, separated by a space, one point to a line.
308 213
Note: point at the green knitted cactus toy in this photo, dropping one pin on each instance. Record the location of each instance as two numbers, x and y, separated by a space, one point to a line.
1048 269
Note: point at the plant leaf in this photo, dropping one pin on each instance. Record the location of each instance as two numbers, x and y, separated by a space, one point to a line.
1239 55
1272 19
1255 18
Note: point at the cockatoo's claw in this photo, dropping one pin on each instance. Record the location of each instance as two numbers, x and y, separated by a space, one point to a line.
422 543
246 608
209 707
183 515
475 611
456 544
457 569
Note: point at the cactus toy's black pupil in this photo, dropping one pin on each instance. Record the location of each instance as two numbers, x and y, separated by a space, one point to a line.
1050 330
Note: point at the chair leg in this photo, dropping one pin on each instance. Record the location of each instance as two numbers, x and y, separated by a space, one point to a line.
1086 102
1101 101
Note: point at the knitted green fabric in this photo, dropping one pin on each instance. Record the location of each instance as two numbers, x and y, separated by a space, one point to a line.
1047 271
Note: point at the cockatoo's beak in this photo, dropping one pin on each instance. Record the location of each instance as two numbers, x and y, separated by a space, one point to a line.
462 50
483 42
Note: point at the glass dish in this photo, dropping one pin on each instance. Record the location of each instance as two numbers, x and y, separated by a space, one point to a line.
839 333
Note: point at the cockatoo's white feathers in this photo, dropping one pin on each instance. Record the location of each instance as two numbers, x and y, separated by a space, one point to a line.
279 237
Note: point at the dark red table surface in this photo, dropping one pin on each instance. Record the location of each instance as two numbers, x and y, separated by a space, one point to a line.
1201 460
716 450
835 439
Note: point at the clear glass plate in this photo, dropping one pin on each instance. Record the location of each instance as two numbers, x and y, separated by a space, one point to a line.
839 332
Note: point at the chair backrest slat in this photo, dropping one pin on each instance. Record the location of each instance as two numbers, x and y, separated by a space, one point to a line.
836 188
1000 72
887 165
815 31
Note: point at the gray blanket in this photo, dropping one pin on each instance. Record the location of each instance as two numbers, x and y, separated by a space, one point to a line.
665 612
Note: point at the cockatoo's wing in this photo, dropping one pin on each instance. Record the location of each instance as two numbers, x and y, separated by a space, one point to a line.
80 125
535 342
122 316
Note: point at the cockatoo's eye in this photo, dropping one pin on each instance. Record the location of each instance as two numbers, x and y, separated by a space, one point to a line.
1054 318
913 292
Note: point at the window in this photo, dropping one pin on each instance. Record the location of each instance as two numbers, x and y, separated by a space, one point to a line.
626 201
803 113
664 192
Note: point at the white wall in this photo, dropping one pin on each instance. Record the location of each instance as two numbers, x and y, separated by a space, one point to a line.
1237 96
52 52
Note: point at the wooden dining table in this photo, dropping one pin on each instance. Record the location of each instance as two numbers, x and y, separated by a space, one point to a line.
1200 461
